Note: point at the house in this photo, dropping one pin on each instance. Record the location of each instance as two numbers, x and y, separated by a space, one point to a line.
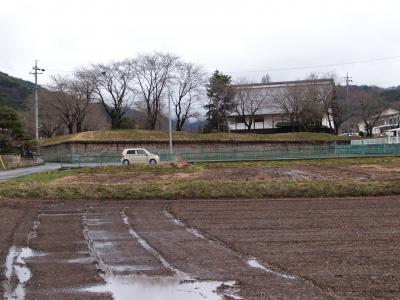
264 106
386 120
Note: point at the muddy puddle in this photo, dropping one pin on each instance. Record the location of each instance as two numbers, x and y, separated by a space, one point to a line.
165 288
157 279
17 273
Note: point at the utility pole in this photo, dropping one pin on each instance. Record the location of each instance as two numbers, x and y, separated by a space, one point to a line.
170 124
36 71
348 80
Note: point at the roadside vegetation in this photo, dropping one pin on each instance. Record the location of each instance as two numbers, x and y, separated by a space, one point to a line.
268 179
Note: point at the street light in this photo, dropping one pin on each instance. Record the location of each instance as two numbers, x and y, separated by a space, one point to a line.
169 123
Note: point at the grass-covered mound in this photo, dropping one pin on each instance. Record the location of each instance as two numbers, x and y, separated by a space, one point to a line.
150 135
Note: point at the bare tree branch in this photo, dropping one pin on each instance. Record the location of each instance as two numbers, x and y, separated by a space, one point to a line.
248 101
153 73
113 89
189 90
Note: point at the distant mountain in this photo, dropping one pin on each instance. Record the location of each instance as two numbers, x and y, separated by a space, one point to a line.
195 126
13 91
391 94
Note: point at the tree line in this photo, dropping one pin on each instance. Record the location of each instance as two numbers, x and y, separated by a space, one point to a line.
146 83
143 83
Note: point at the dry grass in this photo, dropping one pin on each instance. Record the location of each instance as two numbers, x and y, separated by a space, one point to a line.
164 185
147 135
202 189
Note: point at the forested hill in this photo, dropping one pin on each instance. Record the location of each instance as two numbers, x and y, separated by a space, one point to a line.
13 91
389 95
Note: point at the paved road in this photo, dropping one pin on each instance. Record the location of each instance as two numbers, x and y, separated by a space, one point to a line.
14 173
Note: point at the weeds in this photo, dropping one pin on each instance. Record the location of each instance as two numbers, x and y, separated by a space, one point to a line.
44 185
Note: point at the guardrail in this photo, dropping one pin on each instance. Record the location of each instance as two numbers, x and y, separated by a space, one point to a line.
305 152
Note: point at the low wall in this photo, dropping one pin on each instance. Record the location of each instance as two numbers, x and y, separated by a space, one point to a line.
54 152
12 161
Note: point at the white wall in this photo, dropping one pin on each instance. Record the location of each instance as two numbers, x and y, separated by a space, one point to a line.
269 122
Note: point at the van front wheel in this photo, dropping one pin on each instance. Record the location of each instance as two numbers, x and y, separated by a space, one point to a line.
152 161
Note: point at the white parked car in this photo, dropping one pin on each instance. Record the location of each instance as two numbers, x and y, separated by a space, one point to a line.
139 156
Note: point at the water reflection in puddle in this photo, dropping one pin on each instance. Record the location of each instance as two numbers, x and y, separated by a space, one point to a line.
15 267
165 288
122 282
129 268
254 263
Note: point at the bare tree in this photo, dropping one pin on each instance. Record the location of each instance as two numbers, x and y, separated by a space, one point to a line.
112 88
188 85
333 107
73 95
153 73
265 79
308 103
51 123
63 102
370 107
248 101
290 100
81 88
318 92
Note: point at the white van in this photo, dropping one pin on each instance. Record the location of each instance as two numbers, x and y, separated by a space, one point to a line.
139 156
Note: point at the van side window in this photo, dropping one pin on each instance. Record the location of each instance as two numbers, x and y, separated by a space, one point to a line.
141 152
131 152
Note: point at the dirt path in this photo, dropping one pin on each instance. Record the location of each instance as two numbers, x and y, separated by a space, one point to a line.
231 249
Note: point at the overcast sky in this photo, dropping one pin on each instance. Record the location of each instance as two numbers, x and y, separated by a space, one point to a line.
236 37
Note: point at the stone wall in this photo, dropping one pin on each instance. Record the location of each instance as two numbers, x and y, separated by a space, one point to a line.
16 161
66 149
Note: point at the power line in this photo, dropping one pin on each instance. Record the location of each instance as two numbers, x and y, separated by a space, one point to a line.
320 66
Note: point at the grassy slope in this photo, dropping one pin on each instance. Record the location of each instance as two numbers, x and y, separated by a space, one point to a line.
147 135
40 186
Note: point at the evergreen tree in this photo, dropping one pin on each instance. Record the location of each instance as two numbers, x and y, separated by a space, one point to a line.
219 93
12 136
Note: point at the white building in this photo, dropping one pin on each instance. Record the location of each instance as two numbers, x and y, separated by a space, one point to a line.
271 117
387 120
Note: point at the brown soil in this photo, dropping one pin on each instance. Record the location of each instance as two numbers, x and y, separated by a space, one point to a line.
345 248
376 172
